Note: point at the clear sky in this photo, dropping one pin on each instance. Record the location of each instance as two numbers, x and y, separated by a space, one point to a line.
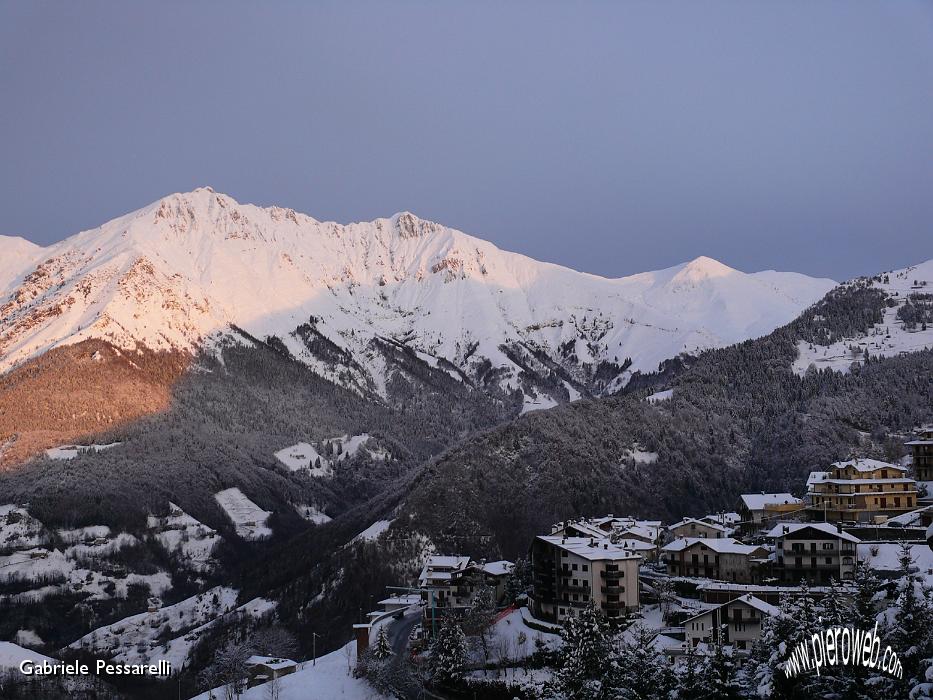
613 137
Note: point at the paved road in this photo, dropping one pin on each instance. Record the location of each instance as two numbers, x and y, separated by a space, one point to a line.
400 630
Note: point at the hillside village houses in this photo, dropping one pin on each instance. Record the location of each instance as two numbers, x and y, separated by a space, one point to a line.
861 490
731 568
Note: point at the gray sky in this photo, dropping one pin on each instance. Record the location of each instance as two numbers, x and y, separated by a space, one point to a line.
613 137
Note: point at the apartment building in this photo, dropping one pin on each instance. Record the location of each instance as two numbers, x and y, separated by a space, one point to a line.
724 559
817 552
572 572
861 490
922 450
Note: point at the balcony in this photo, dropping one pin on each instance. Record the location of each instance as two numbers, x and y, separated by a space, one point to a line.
612 574
574 589
613 605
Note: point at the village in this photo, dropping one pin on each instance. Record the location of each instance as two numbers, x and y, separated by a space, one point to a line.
704 581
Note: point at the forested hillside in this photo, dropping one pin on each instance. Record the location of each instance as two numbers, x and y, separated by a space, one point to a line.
739 419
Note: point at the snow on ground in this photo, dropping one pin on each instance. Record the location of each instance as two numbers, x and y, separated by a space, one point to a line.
179 532
505 642
84 534
11 655
248 518
329 679
168 633
314 459
886 339
640 455
28 638
19 530
537 403
313 514
660 396
373 531
72 451
883 556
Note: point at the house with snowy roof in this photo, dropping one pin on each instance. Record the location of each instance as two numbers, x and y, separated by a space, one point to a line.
691 527
262 669
571 573
759 509
737 623
723 558
860 490
449 583
816 552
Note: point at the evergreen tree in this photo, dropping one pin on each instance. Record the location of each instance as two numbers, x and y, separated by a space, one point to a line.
641 673
582 662
448 652
382 649
689 681
719 675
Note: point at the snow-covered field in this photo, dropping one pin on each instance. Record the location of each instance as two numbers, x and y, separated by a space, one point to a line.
373 531
883 556
11 655
168 633
885 339
179 532
19 530
72 451
330 678
313 514
320 458
248 518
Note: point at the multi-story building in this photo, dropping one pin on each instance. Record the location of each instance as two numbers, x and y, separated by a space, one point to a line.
691 527
573 572
860 490
922 450
738 622
758 510
449 583
817 552
724 559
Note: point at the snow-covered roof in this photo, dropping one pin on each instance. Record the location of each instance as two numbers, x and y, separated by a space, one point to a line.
498 568
722 545
439 561
686 521
409 599
635 545
816 477
867 465
750 600
272 662
639 531
784 529
589 548
893 480
730 518
758 501
919 442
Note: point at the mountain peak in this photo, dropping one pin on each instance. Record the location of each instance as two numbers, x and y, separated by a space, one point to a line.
703 268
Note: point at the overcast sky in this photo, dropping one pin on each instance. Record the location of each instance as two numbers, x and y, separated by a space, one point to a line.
613 137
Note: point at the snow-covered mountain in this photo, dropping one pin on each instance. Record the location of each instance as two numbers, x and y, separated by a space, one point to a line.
193 269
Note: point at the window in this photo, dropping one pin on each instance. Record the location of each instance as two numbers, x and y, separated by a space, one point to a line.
827 545
586 567
829 560
574 567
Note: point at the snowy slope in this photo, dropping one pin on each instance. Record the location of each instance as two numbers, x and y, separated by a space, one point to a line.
886 339
182 270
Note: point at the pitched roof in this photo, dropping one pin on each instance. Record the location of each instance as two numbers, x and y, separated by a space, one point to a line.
784 529
722 545
758 604
867 465
715 526
758 501
589 548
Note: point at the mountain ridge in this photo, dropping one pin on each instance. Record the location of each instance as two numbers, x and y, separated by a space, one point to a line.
177 273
